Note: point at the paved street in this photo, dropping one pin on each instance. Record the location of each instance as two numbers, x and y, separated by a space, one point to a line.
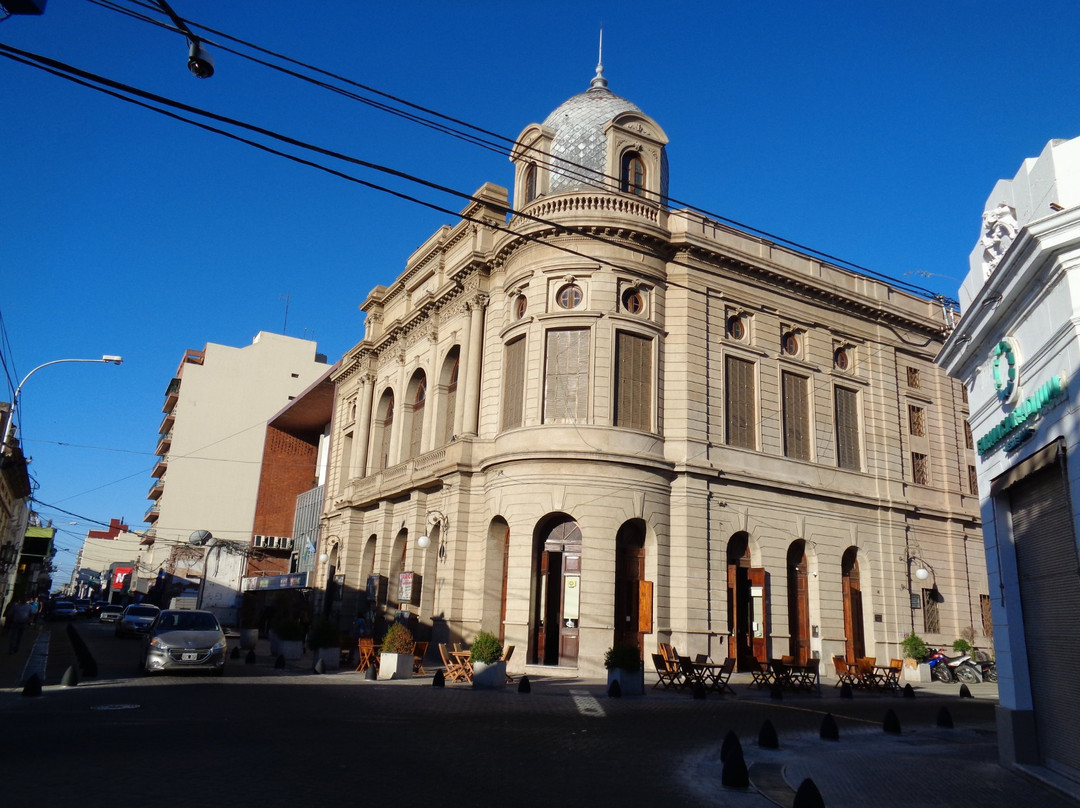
261 736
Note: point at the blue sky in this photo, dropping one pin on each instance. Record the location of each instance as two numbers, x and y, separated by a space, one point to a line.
873 132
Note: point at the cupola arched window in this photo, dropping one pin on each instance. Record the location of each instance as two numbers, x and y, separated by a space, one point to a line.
530 183
632 174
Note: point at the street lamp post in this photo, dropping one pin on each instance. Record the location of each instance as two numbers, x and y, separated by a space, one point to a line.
107 359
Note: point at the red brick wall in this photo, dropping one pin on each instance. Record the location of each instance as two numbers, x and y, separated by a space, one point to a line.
288 469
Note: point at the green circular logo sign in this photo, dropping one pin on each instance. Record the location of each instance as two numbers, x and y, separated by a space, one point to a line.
1004 377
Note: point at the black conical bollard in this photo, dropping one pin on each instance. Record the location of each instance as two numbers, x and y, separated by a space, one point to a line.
235 652
808 796
439 679
766 738
891 724
319 667
250 659
731 746
614 690
846 692
735 773
370 674
524 686
829 730
944 718
279 663
70 677
965 693
32 688
909 691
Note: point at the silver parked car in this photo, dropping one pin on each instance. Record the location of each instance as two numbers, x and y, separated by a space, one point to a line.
110 613
182 639
136 619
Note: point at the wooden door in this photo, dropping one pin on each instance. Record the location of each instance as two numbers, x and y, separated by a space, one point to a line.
854 646
798 603
759 625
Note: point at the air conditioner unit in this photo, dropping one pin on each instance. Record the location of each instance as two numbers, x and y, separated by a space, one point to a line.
286 543
259 541
273 542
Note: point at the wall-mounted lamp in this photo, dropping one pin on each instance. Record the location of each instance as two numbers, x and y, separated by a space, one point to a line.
435 519
923 571
323 558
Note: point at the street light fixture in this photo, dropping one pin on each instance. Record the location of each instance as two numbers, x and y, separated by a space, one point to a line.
108 359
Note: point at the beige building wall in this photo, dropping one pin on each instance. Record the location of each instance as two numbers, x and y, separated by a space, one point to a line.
493 472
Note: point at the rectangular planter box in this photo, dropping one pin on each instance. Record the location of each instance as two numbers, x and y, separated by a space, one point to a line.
395 666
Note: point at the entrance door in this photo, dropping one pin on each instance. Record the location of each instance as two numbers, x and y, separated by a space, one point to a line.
556 611
747 620
854 646
631 608
798 603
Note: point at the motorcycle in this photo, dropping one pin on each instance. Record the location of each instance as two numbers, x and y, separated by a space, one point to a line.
954 669
988 670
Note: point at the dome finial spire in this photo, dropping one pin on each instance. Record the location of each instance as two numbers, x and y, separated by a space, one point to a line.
598 79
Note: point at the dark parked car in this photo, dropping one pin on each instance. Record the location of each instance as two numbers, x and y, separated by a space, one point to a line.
136 619
82 606
62 610
182 639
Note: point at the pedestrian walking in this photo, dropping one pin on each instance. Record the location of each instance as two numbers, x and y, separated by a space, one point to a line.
18 618
35 610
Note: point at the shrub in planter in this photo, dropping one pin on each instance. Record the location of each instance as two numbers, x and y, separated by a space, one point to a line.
398 640
962 647
623 657
486 648
324 634
288 629
914 647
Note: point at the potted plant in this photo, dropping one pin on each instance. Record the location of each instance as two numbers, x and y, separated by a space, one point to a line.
290 637
396 653
325 641
489 671
915 651
623 663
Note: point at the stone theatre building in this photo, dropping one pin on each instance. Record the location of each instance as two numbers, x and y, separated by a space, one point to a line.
579 417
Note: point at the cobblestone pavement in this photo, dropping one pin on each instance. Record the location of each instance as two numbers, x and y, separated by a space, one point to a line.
565 743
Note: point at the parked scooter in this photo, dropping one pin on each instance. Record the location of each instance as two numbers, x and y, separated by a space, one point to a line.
954 669
988 670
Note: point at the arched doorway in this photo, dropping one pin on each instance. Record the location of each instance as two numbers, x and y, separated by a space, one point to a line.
798 602
746 599
633 594
854 646
556 604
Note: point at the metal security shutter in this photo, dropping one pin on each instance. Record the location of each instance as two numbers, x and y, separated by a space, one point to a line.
796 416
847 429
740 416
1046 562
633 397
566 384
513 384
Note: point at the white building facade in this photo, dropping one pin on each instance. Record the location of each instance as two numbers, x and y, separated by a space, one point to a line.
597 420
1017 351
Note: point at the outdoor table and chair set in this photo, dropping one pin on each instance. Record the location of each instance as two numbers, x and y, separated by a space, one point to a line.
675 672
865 674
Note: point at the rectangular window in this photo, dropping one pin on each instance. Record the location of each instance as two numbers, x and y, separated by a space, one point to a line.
913 378
931 618
917 421
969 442
633 381
566 378
345 463
920 468
847 429
973 481
987 618
796 415
740 411
513 383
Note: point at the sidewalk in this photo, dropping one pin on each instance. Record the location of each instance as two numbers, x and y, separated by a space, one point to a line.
15 669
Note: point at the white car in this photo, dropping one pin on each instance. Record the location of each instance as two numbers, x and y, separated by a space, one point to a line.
136 619
183 639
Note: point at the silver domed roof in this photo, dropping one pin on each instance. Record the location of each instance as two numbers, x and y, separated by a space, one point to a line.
579 148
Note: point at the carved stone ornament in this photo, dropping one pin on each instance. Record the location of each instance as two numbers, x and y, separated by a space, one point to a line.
999 230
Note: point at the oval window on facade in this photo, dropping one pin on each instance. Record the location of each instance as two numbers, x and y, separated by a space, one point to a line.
633 301
841 359
736 328
569 296
791 343
521 305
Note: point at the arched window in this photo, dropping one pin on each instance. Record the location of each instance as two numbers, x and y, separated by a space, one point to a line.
451 403
387 429
632 174
416 432
530 183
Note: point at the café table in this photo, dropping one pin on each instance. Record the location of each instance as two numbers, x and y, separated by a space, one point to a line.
462 658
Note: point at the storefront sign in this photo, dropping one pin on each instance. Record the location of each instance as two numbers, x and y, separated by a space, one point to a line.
1031 408
295 581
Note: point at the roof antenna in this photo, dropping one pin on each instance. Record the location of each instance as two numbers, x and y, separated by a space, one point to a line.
598 79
